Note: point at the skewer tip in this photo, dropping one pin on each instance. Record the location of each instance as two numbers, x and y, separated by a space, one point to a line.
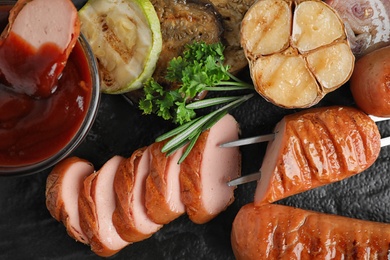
244 179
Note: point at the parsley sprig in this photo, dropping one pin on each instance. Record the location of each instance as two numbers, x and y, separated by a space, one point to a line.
199 69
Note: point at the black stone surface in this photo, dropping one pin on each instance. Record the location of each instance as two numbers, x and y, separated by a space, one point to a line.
27 231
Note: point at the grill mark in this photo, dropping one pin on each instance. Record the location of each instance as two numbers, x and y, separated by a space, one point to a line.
278 186
115 42
267 25
282 177
369 139
348 117
304 174
313 167
359 138
279 241
327 152
336 147
323 152
282 173
106 75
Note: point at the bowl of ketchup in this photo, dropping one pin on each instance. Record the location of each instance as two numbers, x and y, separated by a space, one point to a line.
36 133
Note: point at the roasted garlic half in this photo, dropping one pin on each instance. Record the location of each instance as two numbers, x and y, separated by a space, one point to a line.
297 51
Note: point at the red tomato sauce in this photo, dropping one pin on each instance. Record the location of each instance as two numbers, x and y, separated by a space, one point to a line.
31 71
32 129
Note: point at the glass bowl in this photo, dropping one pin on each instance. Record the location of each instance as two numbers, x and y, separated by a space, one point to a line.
82 127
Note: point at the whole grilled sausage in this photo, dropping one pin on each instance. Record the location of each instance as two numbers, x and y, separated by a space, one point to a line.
316 147
282 232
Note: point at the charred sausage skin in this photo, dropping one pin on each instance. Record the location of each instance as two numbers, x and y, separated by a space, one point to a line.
96 203
282 232
316 147
129 217
162 188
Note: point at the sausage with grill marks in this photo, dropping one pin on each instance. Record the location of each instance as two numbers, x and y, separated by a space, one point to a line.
316 147
281 232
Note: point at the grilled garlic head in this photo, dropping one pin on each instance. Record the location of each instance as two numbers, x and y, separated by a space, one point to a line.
297 51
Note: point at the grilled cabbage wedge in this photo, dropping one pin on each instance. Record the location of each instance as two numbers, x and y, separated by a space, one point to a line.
297 51
125 37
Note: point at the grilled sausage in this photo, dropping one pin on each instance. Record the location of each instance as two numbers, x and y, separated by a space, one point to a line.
96 206
129 199
282 232
62 191
316 147
130 218
162 191
36 44
206 170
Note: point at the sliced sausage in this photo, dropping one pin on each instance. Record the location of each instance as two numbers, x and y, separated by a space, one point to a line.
162 192
62 191
36 44
316 147
282 232
206 170
97 204
130 218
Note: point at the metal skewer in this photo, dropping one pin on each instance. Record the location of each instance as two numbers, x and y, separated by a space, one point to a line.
269 137
245 179
250 140
378 119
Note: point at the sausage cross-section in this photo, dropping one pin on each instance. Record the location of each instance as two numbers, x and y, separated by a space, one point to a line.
207 169
316 147
36 44
130 199
130 217
162 192
97 204
62 191
281 232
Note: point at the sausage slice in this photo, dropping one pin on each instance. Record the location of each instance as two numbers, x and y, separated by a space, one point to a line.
316 147
281 232
36 44
162 192
97 204
62 191
207 169
130 217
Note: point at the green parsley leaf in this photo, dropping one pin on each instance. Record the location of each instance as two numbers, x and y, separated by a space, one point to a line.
200 68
